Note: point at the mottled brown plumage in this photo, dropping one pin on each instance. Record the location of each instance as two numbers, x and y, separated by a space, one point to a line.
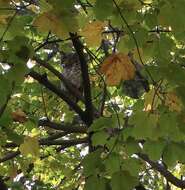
71 71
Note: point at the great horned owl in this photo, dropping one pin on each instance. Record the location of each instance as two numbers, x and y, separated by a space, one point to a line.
71 70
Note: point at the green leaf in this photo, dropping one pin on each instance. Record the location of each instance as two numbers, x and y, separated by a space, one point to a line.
131 146
17 73
112 163
5 89
13 136
103 9
144 125
154 149
103 123
168 127
131 165
168 72
100 138
167 18
123 180
92 163
6 119
95 182
65 4
170 157
126 44
18 51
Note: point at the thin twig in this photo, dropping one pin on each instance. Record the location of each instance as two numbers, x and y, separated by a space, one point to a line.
2 109
163 171
67 127
44 81
8 26
112 105
134 38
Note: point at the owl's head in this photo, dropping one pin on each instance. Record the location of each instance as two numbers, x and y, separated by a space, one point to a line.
69 59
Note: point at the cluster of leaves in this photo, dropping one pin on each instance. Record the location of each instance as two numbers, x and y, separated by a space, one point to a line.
126 130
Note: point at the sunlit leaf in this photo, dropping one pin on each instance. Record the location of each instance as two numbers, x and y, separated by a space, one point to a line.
30 146
117 67
93 38
60 23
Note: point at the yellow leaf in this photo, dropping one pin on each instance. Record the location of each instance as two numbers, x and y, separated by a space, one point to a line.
58 23
92 33
48 22
173 102
151 100
117 67
30 146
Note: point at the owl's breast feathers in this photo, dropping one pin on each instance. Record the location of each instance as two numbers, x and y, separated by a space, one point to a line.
72 69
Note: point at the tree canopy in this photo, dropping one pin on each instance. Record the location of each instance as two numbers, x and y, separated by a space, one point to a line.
92 94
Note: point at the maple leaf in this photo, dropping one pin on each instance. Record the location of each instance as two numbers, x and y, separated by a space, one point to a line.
117 67
48 22
58 23
30 146
173 102
19 116
92 32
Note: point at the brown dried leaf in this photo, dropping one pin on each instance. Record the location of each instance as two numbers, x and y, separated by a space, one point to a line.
117 67
19 116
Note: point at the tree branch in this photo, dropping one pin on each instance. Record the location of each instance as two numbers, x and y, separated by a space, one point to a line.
56 135
163 171
45 82
9 156
85 76
63 127
64 143
2 109
52 141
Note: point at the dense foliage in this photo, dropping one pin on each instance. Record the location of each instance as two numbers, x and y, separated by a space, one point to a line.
92 94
